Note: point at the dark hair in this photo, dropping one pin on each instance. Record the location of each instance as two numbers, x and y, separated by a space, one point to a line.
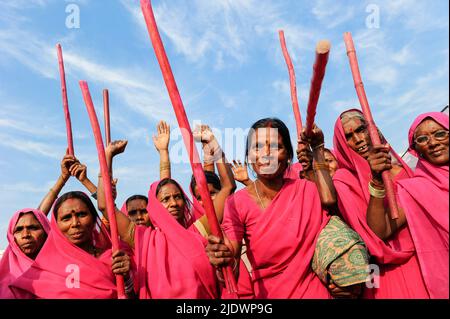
167 181
276 123
78 195
211 178
135 197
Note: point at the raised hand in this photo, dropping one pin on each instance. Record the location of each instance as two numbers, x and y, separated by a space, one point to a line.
162 140
116 147
240 172
304 156
66 163
315 139
203 133
79 171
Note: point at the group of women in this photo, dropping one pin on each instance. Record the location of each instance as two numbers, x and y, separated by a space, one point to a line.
317 229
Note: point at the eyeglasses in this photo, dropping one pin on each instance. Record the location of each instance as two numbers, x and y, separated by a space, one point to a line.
438 136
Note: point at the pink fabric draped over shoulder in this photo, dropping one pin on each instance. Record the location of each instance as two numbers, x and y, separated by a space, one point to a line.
172 262
424 199
14 262
280 240
399 275
65 271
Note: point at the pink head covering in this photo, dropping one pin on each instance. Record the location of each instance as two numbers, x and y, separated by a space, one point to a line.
171 259
65 271
14 262
428 220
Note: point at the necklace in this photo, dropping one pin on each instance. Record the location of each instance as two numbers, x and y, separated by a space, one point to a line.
257 194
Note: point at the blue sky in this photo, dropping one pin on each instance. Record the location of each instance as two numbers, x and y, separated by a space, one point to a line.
227 60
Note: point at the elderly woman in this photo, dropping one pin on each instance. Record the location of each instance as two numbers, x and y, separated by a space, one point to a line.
423 199
27 231
399 274
76 261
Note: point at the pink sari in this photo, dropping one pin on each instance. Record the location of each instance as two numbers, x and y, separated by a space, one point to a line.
280 240
171 260
399 275
424 199
65 271
14 262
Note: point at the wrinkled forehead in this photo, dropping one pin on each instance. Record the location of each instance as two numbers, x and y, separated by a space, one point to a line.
73 205
27 218
169 190
138 203
349 124
428 126
265 134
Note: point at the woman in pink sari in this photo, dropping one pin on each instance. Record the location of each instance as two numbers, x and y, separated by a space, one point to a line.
399 273
76 261
27 231
423 199
280 219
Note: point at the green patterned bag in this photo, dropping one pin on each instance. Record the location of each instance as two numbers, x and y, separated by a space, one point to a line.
341 255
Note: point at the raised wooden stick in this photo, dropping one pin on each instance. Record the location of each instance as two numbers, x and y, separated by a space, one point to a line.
373 131
322 52
110 208
294 98
106 116
62 74
183 122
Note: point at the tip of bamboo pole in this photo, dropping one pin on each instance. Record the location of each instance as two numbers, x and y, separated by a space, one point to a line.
323 46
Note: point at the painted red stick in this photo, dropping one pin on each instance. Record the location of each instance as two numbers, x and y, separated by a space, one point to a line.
106 116
183 122
62 74
290 66
105 178
322 52
373 132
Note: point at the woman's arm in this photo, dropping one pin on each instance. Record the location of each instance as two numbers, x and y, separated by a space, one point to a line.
161 142
125 227
80 172
240 172
378 216
47 202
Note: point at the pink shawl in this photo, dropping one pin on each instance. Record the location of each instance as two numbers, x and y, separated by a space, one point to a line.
171 260
294 171
14 262
351 182
283 241
425 201
65 271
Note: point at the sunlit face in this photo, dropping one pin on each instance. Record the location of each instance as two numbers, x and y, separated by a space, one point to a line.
29 235
357 136
76 221
431 141
267 153
212 191
331 161
137 211
171 198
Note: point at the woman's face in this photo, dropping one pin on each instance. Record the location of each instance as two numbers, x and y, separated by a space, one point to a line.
357 136
267 153
431 142
171 198
212 191
137 211
29 235
75 221
331 161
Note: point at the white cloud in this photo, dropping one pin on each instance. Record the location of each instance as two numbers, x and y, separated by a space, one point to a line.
331 13
28 146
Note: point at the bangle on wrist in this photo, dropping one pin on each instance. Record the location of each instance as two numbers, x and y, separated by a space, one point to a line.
375 192
318 146
164 166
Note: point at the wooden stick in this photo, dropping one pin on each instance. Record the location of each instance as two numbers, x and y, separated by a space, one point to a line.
294 98
62 74
110 208
183 122
106 116
322 52
373 131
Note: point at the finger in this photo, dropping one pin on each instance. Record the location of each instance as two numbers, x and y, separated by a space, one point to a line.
214 239
239 162
235 163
